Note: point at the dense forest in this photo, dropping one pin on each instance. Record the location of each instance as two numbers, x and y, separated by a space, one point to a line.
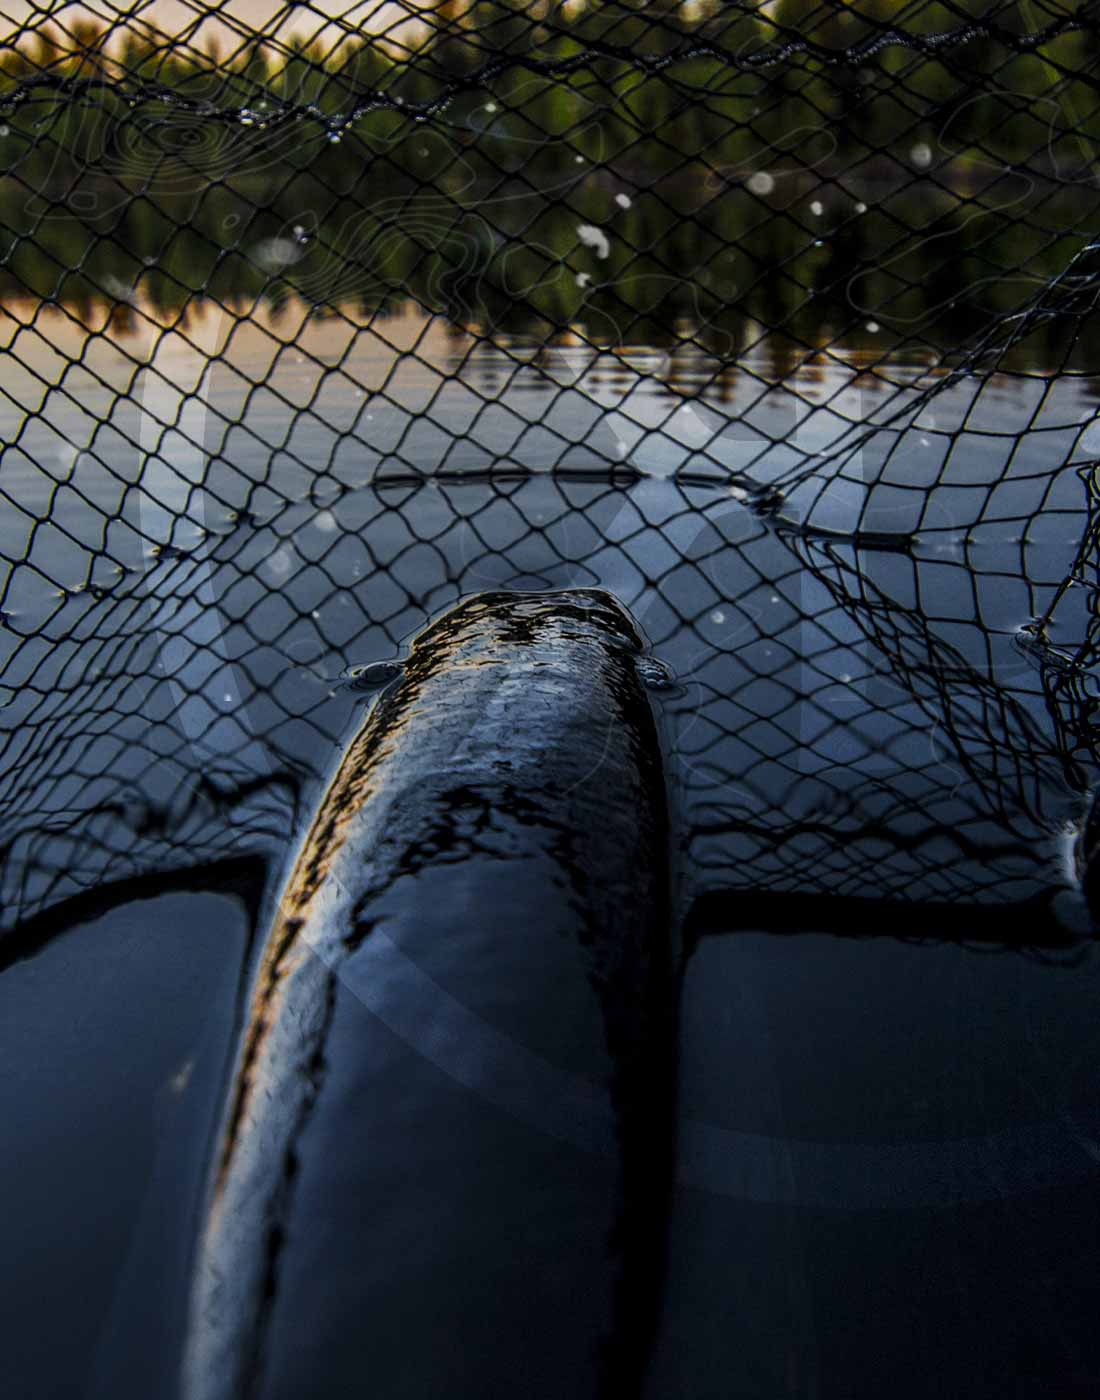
793 81
795 163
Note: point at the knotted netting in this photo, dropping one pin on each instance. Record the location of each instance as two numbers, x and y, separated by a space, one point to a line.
776 320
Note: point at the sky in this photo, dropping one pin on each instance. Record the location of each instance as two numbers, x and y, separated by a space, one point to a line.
172 16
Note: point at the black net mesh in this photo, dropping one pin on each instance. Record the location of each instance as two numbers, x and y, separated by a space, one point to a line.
777 320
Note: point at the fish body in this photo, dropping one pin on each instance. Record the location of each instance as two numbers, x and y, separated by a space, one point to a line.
447 1146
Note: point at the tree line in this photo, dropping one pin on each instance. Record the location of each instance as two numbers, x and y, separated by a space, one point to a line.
723 89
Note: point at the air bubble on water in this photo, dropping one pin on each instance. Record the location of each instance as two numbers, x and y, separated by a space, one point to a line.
844 678
594 238
334 138
817 208
325 520
373 676
861 208
578 160
819 243
583 279
774 598
718 616
655 674
149 260
490 106
872 326
5 131
278 562
761 182
921 154
275 253
623 201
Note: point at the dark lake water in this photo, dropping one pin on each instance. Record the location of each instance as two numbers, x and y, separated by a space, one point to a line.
890 1122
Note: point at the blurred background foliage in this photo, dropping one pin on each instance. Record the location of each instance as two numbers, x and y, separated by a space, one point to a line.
793 164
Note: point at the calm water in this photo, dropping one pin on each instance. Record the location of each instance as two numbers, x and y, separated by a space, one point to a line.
896 1144
273 395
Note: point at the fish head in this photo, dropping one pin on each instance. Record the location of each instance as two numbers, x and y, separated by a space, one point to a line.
512 617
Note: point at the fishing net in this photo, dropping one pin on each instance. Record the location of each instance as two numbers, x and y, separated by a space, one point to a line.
776 320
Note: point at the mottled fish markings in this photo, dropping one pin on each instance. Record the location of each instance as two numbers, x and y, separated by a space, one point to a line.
498 825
